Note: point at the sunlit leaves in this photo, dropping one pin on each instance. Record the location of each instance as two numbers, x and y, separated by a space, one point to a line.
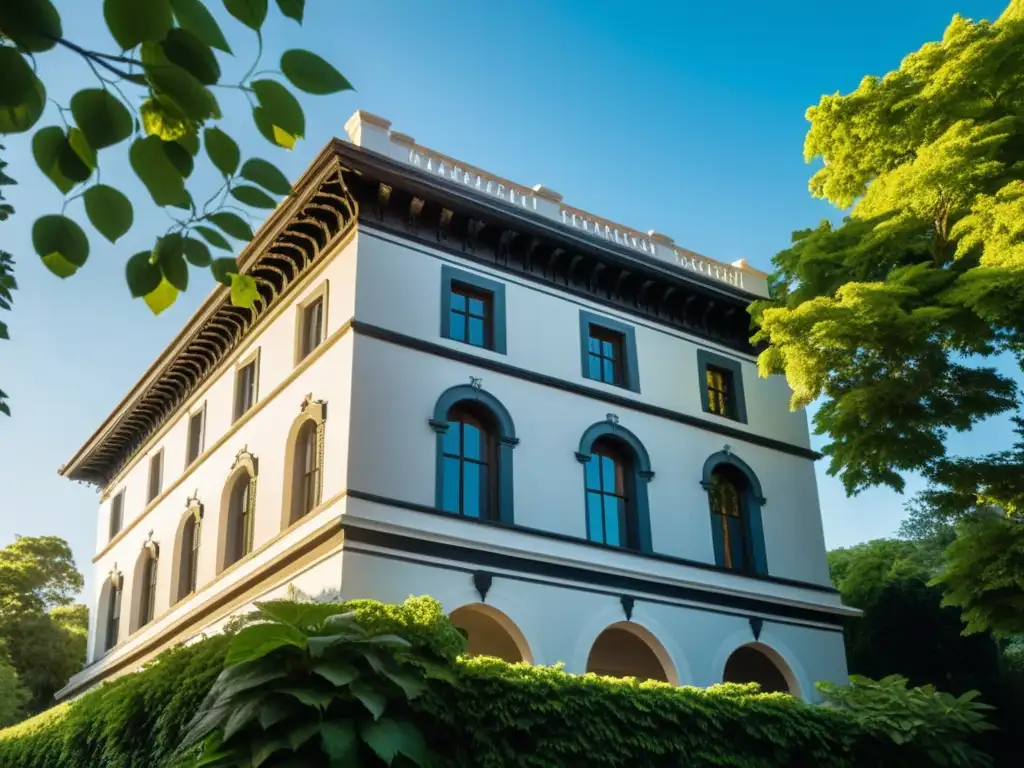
179 86
253 196
223 151
243 291
252 13
60 243
293 9
33 25
157 172
132 22
190 53
22 95
233 224
103 119
83 152
213 237
171 260
142 274
161 297
57 159
222 269
193 16
164 119
108 210
312 74
266 175
279 116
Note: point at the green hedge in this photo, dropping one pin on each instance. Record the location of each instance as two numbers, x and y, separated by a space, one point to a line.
495 715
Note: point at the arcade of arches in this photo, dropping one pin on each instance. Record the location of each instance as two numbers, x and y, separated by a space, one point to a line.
625 649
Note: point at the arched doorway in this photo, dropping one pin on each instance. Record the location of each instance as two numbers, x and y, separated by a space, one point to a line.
491 633
760 664
628 650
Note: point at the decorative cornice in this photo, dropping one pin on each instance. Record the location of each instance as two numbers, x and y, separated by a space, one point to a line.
245 459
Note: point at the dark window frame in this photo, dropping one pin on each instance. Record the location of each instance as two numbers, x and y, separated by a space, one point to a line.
156 476
147 601
467 283
459 416
736 406
113 627
629 376
195 443
116 514
246 397
624 493
310 339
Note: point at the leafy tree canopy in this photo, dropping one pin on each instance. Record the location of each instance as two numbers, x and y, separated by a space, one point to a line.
36 574
893 321
153 99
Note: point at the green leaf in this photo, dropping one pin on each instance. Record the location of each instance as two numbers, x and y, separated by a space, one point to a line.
318 644
48 145
33 25
160 299
272 133
258 640
233 224
103 119
190 143
293 9
196 252
82 150
264 747
406 679
60 243
190 53
337 672
312 74
275 709
108 210
170 258
223 269
143 274
162 117
193 16
340 741
152 165
282 107
22 95
372 699
389 738
309 696
178 85
302 733
179 157
266 175
253 196
252 13
244 292
241 714
222 149
216 239
132 22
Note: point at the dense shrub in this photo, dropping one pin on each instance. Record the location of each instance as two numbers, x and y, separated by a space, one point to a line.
490 714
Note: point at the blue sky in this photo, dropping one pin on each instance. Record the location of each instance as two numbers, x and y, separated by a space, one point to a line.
686 118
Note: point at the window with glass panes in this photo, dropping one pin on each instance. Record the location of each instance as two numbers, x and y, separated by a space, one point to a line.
156 475
312 326
720 395
148 608
727 516
113 617
605 359
195 436
471 316
240 520
117 513
245 388
468 472
609 507
189 578
309 469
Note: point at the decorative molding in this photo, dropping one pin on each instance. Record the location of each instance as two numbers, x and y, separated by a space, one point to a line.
151 546
247 460
482 580
115 577
756 624
194 506
627 606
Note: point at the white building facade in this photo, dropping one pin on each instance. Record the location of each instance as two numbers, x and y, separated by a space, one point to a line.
458 386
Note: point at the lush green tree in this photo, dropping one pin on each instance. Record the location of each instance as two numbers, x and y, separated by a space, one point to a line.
153 99
13 693
41 628
893 320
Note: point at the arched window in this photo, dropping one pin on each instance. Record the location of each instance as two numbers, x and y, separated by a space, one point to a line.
304 456
617 470
611 499
469 479
113 611
240 520
188 568
735 501
147 602
475 438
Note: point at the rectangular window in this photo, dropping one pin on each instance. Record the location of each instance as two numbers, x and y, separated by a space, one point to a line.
245 388
312 326
472 309
721 386
156 476
196 435
604 356
117 513
608 350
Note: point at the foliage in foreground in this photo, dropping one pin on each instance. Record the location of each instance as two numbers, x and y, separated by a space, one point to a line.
460 713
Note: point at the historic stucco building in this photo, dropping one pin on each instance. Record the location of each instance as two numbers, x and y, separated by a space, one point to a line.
458 386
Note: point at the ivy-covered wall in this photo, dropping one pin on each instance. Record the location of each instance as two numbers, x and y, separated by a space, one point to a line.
489 715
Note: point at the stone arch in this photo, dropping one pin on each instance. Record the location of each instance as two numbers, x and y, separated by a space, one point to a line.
628 649
491 633
245 468
758 662
312 416
104 642
506 441
181 559
145 586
